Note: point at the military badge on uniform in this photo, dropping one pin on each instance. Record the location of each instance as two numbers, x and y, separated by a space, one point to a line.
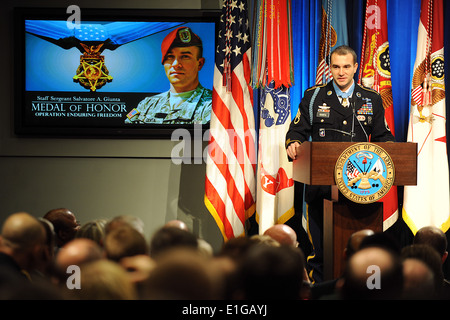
323 111
366 109
322 132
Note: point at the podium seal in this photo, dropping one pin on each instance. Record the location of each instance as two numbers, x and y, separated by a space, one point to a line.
364 173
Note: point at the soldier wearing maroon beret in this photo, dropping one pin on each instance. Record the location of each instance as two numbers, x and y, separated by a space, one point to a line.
187 101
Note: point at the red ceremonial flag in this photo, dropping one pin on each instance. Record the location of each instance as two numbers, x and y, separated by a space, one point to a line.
231 159
375 73
278 43
272 48
428 203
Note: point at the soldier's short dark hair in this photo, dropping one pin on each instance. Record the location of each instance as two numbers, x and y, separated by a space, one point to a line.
343 50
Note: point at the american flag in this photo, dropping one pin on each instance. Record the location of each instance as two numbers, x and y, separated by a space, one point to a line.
351 172
231 161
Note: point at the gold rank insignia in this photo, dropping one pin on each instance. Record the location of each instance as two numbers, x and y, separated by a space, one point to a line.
92 72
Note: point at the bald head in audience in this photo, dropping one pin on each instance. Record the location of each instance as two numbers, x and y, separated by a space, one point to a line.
64 223
433 237
382 266
177 224
23 238
282 233
78 252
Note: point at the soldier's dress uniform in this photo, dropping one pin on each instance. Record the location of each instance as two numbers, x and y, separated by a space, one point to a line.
195 109
321 117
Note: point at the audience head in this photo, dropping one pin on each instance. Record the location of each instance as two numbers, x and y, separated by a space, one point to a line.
433 237
78 252
282 233
94 230
171 237
264 240
124 241
236 248
105 280
64 223
430 257
49 247
177 224
355 240
181 273
418 280
268 272
381 240
23 237
382 265
119 221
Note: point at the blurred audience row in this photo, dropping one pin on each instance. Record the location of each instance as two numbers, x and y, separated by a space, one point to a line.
54 257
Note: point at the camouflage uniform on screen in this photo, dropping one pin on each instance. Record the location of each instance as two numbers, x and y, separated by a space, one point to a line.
156 109
191 107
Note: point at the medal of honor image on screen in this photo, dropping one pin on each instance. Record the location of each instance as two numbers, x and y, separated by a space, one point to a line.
126 73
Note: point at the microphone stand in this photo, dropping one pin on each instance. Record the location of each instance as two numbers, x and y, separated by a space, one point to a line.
352 103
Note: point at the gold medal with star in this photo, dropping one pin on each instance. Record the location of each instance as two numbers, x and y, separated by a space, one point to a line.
92 72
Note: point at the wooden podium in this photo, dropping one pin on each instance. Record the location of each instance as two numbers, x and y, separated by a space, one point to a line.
342 217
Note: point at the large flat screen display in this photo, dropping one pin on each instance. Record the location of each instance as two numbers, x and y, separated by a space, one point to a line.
136 73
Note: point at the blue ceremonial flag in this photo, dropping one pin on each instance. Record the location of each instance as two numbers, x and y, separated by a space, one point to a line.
333 34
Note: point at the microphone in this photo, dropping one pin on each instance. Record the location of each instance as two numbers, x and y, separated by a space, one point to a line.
351 134
352 104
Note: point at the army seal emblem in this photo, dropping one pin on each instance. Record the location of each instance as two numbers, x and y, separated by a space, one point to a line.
364 173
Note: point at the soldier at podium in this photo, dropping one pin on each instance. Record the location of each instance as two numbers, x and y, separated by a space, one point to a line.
340 110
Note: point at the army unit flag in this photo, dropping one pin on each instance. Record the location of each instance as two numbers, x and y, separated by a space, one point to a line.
273 74
375 73
275 185
427 203
231 159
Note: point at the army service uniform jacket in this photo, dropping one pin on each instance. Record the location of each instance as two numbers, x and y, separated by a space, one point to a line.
322 117
156 109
